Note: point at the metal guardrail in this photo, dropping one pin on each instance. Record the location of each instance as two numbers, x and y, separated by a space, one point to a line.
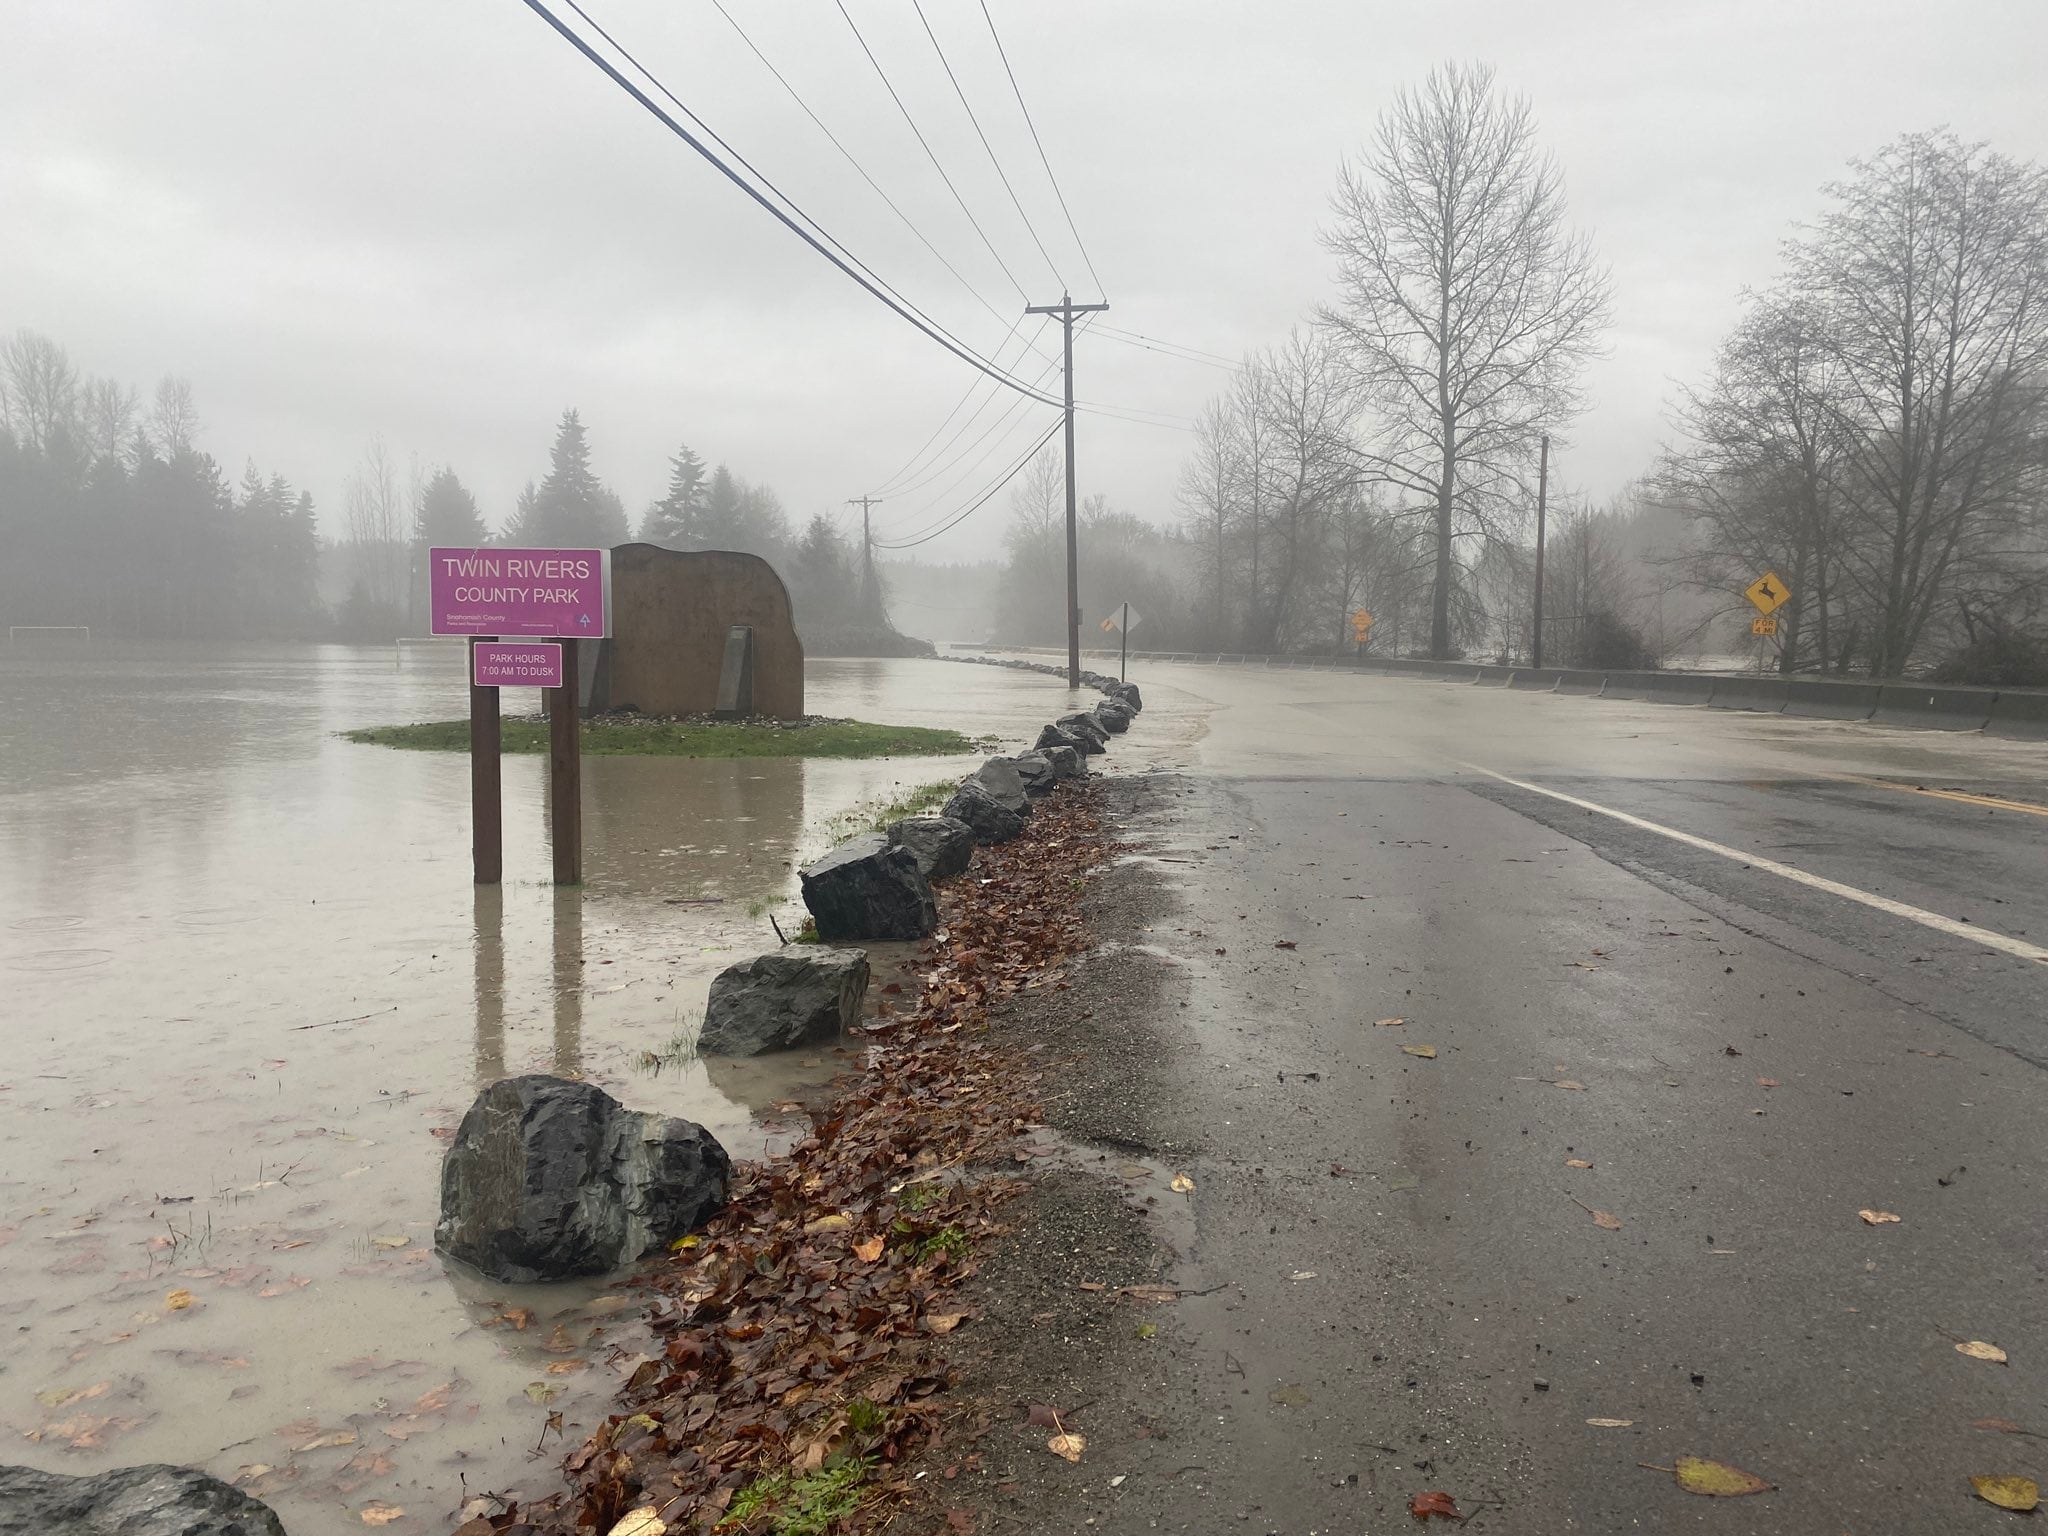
2016 712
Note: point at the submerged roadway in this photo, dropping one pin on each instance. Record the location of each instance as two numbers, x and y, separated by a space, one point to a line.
1535 1059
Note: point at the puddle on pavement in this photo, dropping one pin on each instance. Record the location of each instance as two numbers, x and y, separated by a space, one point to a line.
250 991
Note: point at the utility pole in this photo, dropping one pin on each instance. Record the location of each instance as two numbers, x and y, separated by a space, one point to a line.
1542 490
1066 309
870 595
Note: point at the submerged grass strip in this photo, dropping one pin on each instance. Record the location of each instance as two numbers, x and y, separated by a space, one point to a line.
674 738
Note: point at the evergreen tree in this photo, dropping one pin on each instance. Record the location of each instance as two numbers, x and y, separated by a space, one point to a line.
823 585
723 512
525 527
672 521
448 516
572 507
610 527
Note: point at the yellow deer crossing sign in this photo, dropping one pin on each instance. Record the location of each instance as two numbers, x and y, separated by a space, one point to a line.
1768 593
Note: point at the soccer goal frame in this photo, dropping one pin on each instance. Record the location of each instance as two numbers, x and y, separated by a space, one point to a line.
84 631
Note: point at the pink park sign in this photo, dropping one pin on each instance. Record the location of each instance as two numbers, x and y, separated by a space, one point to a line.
509 592
499 664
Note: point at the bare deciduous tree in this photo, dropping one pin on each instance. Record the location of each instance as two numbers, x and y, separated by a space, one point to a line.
38 390
173 419
109 407
1756 465
1930 274
1467 306
1308 469
374 515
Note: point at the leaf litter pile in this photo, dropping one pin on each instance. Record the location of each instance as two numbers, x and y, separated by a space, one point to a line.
801 1331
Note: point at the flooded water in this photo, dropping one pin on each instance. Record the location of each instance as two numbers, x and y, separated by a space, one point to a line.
249 989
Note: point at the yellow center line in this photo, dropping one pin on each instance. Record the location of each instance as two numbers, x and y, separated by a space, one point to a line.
1990 802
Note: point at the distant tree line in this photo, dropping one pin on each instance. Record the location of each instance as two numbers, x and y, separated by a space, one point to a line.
112 516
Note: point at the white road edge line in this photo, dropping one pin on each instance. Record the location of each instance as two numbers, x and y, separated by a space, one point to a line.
1988 938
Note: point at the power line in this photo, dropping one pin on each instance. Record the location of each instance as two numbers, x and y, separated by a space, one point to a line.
865 277
1001 175
940 467
1002 429
861 170
947 419
1164 349
1042 160
1216 357
929 155
1165 419
984 499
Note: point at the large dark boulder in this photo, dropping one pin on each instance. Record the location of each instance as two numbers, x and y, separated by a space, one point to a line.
1127 694
1066 763
1114 717
999 776
867 889
1036 771
783 999
1082 724
1052 736
129 1501
548 1179
942 846
992 821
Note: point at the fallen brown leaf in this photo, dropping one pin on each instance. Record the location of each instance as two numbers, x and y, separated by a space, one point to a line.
1436 1503
1713 1479
1767 1082
381 1513
1576 1162
1977 1349
2020 1494
1877 1218
177 1301
1426 1052
869 1249
1610 1423
1389 1023
1149 1292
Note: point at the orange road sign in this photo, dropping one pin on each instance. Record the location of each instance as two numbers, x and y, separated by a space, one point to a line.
1763 626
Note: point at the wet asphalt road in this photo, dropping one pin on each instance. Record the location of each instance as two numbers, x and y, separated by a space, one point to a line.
1415 1292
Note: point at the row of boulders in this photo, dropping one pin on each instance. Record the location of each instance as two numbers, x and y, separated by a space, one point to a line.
877 887
547 1178
1116 688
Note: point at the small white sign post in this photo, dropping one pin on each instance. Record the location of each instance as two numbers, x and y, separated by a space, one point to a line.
1122 622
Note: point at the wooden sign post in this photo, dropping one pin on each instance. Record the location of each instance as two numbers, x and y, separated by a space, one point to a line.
486 801
565 771
556 597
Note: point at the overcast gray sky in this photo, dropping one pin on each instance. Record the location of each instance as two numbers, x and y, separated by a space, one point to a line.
431 219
